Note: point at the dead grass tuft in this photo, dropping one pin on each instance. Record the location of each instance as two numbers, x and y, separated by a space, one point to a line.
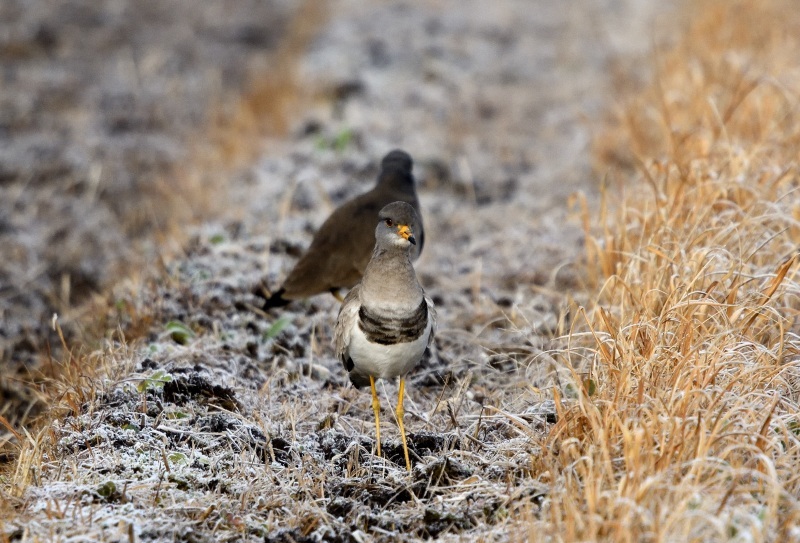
684 422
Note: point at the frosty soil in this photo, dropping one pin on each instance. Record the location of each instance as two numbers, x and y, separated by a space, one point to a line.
228 423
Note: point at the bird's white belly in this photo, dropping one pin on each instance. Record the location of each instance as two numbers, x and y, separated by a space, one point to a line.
386 361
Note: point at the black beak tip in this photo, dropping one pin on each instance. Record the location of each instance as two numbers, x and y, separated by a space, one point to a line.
412 239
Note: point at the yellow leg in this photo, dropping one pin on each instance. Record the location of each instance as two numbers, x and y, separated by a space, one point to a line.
376 407
400 412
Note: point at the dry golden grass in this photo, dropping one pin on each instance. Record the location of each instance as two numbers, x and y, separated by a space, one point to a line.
685 427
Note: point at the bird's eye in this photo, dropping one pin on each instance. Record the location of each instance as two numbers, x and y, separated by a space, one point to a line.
388 222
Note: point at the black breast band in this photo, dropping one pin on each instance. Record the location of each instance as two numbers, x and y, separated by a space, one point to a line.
391 330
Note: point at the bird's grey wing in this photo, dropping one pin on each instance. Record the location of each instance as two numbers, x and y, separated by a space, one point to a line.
432 317
348 314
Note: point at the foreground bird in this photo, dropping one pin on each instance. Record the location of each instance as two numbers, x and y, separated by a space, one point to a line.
341 248
386 322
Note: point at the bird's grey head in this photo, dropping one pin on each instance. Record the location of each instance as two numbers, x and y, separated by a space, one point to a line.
396 169
396 226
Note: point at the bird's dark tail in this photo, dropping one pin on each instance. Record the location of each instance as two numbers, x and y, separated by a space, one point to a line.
275 300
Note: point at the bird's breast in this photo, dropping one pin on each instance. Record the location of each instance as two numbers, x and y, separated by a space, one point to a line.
386 360
390 327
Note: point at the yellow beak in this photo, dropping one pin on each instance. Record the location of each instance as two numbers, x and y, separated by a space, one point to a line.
404 231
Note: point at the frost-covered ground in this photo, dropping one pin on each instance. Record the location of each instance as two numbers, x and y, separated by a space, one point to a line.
231 424
99 101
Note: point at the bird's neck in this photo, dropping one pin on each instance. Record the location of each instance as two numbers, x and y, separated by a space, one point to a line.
397 287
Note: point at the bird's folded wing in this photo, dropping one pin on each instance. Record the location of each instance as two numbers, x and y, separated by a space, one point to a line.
432 317
345 322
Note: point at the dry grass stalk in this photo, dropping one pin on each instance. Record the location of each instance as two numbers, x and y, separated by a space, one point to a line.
685 424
